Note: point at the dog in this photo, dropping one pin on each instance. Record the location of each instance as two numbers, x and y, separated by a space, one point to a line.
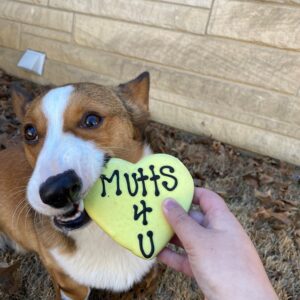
69 134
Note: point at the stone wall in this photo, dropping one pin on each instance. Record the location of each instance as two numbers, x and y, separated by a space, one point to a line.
229 69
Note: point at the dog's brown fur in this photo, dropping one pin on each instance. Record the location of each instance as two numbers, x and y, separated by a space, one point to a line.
125 109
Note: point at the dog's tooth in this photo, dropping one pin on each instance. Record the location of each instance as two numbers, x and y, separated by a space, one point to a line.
77 214
72 217
81 206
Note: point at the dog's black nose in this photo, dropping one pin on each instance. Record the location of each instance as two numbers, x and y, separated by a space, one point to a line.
60 190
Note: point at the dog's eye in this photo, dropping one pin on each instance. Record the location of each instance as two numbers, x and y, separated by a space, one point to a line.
91 120
30 134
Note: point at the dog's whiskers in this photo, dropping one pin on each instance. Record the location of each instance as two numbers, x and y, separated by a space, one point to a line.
19 189
35 217
25 178
29 210
20 213
17 196
20 205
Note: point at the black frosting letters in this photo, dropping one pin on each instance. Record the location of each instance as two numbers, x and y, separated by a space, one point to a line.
174 179
110 180
141 238
139 183
143 212
154 178
143 178
136 189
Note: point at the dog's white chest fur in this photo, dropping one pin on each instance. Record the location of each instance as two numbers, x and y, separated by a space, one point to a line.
100 262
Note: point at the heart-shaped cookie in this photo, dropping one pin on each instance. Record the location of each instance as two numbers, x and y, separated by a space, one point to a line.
126 201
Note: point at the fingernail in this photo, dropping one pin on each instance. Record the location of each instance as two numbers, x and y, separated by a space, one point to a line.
169 204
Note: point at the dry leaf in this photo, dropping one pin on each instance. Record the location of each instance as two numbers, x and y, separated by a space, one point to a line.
291 203
264 214
218 147
9 279
277 226
278 204
261 213
265 179
251 179
285 169
223 194
263 197
281 216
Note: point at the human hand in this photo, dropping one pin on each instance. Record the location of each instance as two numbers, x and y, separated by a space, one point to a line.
219 254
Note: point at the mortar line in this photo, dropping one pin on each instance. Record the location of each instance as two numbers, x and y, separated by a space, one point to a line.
209 16
155 64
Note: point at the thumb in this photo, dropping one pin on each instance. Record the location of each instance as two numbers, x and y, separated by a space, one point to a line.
184 226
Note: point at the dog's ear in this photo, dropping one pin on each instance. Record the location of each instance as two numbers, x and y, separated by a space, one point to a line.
136 91
20 99
135 97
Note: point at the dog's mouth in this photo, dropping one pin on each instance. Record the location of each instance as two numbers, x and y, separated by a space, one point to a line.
73 219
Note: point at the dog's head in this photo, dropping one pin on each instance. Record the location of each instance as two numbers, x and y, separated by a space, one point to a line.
69 134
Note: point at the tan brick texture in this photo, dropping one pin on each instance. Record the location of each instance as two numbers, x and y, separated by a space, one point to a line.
228 69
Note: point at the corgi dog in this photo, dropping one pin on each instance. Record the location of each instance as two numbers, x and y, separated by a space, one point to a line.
69 134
